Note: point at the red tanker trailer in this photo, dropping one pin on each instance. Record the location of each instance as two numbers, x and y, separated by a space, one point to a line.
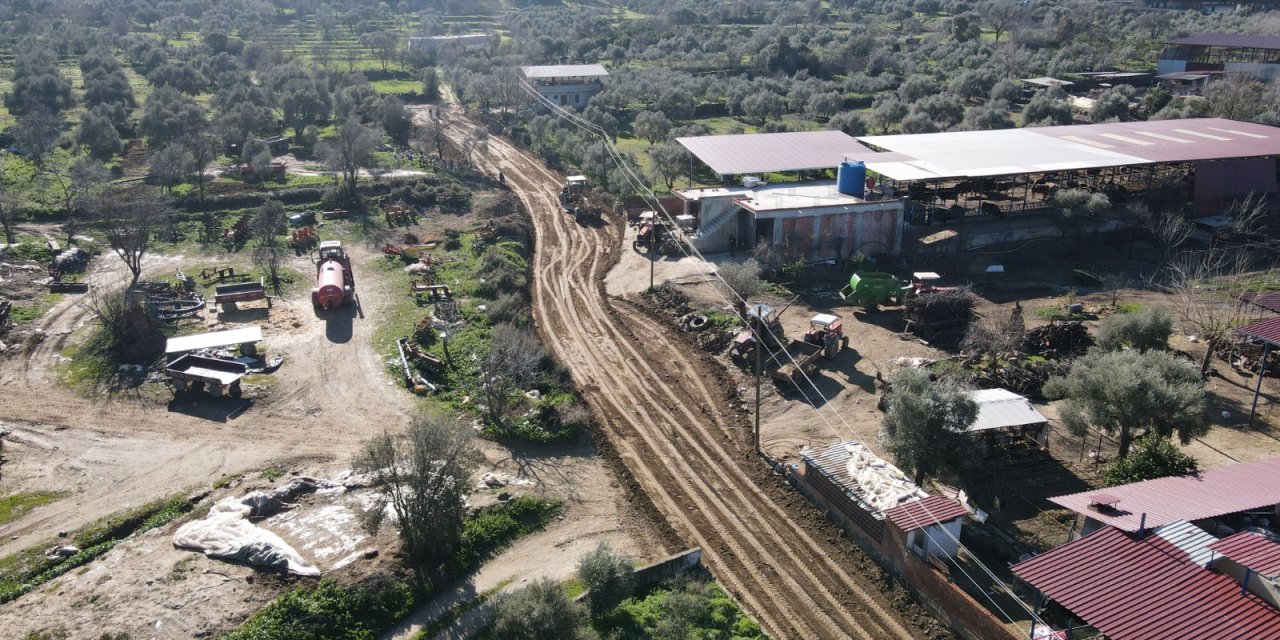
335 284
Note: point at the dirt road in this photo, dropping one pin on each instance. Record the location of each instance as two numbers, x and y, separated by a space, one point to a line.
665 413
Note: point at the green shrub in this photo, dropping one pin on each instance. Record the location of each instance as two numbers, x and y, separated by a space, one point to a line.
328 610
1154 456
1148 328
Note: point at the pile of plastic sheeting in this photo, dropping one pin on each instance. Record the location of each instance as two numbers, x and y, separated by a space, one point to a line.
884 486
228 533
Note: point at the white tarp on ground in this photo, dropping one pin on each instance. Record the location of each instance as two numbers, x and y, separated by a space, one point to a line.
228 534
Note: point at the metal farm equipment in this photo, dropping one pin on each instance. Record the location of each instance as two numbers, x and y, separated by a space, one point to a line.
335 283
215 375
228 295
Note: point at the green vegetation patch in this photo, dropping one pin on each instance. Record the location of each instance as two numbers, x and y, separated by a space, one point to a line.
17 505
699 609
492 529
33 309
329 610
27 570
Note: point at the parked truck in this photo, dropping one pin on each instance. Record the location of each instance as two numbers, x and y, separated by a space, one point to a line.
335 283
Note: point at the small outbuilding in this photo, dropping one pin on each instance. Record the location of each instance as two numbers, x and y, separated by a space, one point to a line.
1005 416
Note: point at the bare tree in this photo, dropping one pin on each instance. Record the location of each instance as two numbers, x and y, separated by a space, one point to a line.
513 364
350 150
1206 283
8 212
269 258
129 224
423 474
1170 229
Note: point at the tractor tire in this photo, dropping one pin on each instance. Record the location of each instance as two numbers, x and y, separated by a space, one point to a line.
697 323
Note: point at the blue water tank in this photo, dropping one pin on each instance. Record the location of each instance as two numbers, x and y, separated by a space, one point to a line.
851 178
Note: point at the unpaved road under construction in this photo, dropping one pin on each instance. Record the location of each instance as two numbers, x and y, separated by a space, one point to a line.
665 413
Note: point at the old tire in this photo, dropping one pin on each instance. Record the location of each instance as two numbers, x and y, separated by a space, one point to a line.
697 323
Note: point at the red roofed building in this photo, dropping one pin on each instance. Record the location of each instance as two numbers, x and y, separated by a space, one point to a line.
931 525
1253 560
1147 588
1211 493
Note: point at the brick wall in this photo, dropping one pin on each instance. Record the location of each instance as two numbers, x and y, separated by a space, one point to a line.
945 600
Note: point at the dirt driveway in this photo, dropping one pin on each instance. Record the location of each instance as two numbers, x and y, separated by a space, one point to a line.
667 415
113 452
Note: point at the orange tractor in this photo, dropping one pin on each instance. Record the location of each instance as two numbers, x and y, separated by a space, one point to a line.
335 283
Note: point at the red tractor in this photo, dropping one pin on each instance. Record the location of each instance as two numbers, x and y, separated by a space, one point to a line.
827 331
335 283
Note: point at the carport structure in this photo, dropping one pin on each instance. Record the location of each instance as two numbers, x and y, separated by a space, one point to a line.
1207 160
1268 333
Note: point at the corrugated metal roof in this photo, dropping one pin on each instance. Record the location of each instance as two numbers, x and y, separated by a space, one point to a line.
1147 590
1001 408
1046 81
970 154
213 339
1243 40
1268 330
924 512
1207 494
564 71
1269 301
1189 539
832 461
765 152
1253 551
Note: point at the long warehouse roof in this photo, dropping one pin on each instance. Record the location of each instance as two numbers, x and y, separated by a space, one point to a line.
564 71
972 154
742 153
1242 40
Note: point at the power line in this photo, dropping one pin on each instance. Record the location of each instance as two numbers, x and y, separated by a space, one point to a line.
686 248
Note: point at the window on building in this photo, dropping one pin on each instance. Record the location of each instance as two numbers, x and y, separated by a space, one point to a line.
564 100
577 98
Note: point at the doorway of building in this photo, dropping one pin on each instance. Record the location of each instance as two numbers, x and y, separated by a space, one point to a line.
764 230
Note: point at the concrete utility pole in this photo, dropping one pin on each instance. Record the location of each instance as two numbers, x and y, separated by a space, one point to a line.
759 348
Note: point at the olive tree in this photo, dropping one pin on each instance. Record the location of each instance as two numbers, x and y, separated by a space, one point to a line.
539 611
1129 394
1149 328
925 428
423 473
608 577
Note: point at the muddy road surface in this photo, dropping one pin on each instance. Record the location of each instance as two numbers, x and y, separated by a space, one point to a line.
666 414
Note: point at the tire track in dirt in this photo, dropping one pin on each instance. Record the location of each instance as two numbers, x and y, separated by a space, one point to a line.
671 431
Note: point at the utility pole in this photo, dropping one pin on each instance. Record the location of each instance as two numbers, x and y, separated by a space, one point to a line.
759 348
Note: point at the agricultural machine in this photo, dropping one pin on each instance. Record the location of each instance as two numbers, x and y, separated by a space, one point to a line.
763 320
335 283
576 201
827 331
872 289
